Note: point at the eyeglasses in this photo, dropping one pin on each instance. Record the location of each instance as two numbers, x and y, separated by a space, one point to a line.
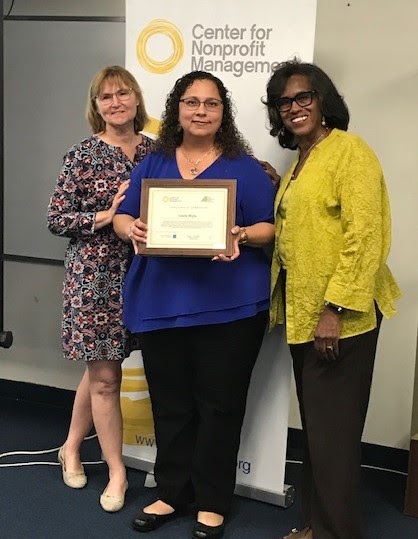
303 99
122 95
192 103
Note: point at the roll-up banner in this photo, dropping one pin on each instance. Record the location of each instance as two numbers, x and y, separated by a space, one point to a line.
241 43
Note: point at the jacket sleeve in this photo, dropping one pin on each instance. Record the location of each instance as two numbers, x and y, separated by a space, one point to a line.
362 194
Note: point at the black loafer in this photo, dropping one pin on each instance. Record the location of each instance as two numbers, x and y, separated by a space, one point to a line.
202 531
147 522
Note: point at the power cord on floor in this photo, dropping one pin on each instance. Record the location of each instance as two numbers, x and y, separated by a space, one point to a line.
40 452
383 469
45 451
363 466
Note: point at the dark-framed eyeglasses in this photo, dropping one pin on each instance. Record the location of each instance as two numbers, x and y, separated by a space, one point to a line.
303 99
122 95
192 103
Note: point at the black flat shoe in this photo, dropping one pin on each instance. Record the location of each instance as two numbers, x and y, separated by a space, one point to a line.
147 522
202 531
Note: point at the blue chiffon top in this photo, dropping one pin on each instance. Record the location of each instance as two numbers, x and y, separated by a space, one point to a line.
166 292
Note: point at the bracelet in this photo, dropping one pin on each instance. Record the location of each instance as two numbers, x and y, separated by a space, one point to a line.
336 308
243 236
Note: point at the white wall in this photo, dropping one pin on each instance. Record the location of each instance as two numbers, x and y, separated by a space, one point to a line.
369 49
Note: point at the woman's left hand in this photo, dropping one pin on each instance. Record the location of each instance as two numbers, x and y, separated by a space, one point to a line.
327 335
105 217
223 258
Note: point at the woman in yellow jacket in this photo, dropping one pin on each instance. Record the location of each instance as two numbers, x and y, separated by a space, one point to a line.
330 285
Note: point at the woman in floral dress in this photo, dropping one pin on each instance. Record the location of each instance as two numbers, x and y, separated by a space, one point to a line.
92 183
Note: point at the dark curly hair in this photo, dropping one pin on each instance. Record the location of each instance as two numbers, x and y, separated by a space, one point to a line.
228 139
332 104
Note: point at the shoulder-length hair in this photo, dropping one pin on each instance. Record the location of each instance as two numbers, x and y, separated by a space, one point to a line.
122 76
333 107
228 139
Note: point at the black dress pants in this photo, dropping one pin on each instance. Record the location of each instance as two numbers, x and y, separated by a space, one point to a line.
333 399
198 380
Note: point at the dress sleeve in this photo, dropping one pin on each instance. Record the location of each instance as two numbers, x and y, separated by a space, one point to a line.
65 216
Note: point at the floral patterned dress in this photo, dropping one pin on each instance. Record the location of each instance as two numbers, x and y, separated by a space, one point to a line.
95 261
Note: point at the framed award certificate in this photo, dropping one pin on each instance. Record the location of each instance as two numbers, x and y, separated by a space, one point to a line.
188 217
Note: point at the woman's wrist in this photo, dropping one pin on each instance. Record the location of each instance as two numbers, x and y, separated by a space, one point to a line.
256 235
103 218
337 309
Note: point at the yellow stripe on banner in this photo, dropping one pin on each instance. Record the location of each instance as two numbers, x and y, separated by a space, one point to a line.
138 425
138 371
131 386
152 126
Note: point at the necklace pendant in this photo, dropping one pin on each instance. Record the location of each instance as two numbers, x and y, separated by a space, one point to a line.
194 171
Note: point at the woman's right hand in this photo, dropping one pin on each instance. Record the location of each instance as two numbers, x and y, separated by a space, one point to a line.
327 335
137 233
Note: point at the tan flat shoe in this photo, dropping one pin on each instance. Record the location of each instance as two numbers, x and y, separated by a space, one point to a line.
110 503
306 533
71 479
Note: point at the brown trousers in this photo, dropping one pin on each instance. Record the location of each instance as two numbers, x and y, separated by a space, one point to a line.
333 399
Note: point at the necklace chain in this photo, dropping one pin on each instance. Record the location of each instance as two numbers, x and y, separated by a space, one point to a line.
308 151
194 170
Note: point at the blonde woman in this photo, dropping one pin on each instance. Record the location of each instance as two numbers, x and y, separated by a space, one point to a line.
94 177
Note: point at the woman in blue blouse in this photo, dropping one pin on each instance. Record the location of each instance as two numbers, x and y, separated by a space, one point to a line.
201 320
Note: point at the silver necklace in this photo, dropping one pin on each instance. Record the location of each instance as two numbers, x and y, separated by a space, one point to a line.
305 157
194 170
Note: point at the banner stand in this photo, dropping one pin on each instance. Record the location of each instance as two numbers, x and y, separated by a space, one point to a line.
261 458
284 499
242 48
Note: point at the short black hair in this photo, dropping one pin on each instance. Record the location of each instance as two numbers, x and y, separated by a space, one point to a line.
332 104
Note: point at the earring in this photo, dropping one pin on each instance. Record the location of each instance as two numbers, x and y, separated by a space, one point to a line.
179 129
282 132
323 121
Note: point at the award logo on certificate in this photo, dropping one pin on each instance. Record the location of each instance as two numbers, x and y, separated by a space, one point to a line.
188 218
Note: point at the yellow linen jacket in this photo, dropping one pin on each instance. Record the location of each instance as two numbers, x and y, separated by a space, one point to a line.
338 234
